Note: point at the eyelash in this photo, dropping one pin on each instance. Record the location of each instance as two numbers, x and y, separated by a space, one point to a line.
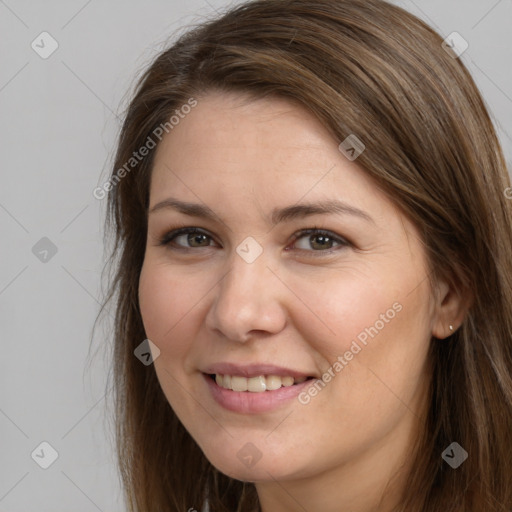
171 235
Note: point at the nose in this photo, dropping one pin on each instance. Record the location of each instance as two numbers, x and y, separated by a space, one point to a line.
249 301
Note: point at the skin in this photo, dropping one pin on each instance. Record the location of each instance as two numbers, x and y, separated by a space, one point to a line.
243 158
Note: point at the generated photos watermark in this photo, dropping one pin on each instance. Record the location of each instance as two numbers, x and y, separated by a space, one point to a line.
137 156
343 360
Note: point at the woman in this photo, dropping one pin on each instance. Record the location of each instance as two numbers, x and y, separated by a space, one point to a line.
314 279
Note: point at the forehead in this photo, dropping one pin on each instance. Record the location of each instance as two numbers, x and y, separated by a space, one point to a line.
229 120
231 132
231 149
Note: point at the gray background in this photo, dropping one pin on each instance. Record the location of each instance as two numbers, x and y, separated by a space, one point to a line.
59 120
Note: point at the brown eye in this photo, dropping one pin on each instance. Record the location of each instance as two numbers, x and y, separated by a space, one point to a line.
193 236
319 240
316 240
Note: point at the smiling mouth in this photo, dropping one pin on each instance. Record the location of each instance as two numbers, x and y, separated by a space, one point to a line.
258 384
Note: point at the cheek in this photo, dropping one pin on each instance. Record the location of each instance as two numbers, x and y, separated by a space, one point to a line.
165 304
167 311
350 306
372 332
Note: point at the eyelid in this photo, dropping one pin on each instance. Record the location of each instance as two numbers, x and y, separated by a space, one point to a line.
170 236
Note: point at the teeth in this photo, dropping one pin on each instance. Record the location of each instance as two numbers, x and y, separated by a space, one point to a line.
256 384
273 382
287 381
238 383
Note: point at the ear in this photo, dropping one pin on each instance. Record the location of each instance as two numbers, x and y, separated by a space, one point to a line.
451 306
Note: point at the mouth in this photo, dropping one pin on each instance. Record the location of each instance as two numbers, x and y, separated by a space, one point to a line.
254 395
256 384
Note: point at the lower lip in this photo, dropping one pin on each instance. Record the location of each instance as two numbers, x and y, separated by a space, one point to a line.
248 402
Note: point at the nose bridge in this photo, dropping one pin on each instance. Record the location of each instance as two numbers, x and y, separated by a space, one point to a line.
246 298
248 269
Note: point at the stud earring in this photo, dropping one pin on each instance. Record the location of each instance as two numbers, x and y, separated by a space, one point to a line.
451 327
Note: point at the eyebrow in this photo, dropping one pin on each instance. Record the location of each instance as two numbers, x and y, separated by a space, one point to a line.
278 216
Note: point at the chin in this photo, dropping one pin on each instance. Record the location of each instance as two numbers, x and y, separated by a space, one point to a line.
237 464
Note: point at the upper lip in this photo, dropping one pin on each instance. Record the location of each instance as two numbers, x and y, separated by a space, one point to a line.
253 370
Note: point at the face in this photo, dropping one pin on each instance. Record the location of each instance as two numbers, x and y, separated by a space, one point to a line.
341 297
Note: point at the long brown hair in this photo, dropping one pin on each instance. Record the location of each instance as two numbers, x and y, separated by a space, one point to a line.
368 68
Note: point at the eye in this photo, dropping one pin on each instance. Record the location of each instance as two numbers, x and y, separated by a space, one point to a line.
320 240
190 235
